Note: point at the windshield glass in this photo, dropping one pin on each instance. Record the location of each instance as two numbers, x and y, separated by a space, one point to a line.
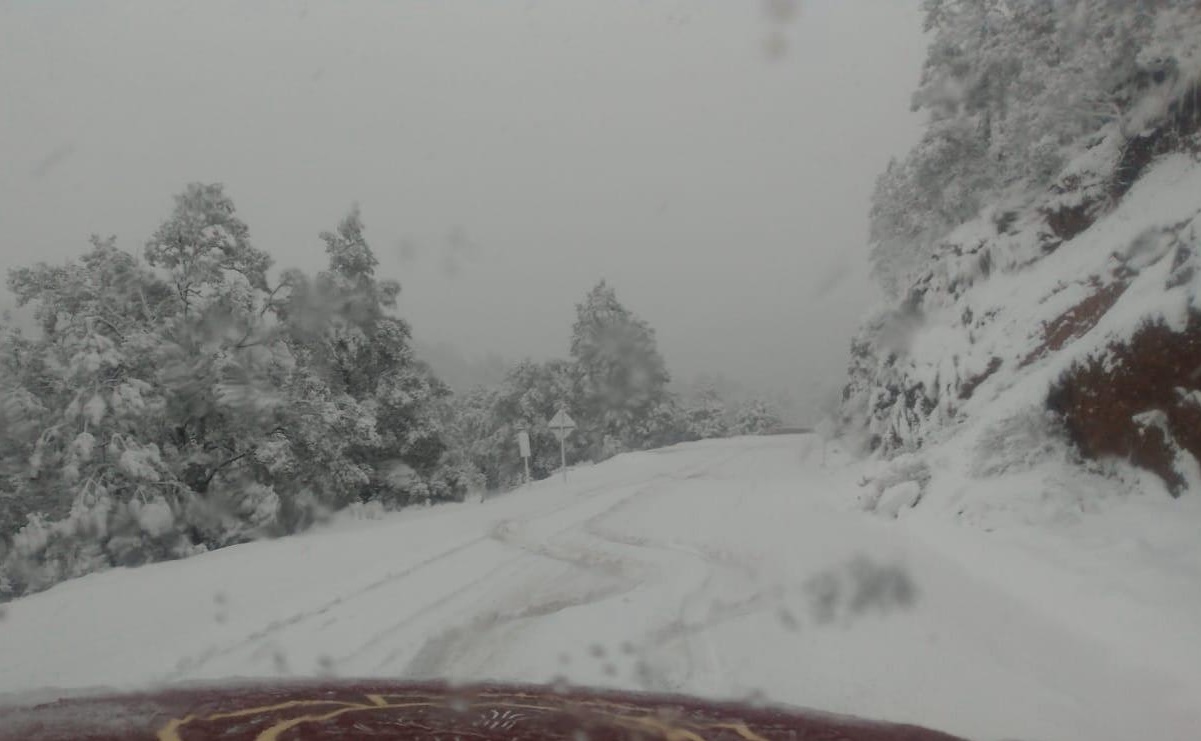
813 356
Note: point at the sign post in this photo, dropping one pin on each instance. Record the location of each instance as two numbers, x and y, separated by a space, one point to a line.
562 425
523 445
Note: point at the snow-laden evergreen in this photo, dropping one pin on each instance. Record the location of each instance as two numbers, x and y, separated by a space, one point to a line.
182 401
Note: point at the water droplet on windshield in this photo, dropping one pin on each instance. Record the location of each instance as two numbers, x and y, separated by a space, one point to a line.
756 698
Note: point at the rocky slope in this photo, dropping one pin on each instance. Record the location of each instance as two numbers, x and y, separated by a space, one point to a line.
1056 334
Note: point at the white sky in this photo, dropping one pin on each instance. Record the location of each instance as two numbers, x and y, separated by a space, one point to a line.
506 155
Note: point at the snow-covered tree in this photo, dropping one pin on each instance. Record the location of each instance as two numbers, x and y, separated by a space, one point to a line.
706 414
1009 87
181 403
623 376
202 241
368 424
754 417
488 420
87 395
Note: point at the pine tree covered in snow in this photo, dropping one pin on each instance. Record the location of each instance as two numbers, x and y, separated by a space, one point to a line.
180 403
1009 87
622 374
341 324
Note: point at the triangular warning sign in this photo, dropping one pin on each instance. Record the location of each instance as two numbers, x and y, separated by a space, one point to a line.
561 421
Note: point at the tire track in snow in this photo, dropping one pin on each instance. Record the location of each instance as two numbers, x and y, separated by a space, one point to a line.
506 532
429 608
188 664
709 567
435 657
702 661
431 661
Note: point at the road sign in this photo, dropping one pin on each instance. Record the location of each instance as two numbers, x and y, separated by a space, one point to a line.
523 445
561 424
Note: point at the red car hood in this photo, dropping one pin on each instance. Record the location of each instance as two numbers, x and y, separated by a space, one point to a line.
391 710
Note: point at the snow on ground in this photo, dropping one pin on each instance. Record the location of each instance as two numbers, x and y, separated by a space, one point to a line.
726 568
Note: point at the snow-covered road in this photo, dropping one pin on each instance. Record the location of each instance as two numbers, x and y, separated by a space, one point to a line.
721 568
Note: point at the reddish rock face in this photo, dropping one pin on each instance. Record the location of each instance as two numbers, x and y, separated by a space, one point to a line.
1183 121
1082 317
1142 402
384 710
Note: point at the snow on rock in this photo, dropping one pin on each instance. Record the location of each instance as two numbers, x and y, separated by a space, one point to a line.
892 499
1039 247
1101 327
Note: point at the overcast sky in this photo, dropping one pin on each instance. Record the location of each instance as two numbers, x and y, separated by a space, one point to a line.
712 160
